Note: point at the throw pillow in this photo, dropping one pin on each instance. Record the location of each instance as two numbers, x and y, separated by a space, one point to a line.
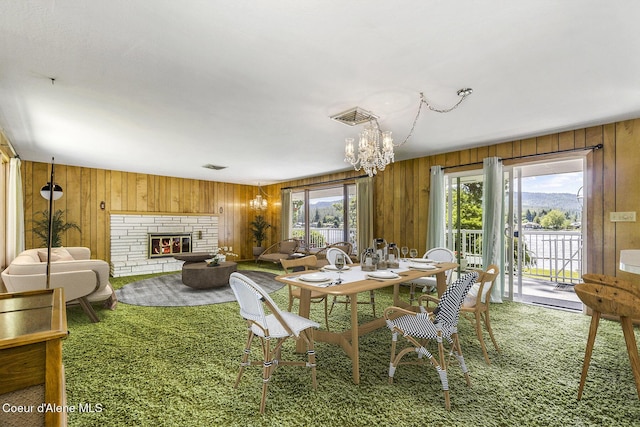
57 254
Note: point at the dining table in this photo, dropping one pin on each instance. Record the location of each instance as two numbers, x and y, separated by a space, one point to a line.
352 281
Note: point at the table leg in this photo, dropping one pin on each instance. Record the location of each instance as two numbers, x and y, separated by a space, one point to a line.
355 352
396 294
593 329
632 349
304 309
441 283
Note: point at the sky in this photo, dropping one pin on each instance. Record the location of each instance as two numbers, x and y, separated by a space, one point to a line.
560 183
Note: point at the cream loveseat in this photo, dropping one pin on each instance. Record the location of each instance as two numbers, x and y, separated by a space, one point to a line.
84 280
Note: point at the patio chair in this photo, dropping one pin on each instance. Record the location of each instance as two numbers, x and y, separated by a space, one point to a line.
439 325
614 297
428 284
272 329
305 263
331 257
281 250
345 246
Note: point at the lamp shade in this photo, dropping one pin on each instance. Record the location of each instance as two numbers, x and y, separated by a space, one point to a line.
46 190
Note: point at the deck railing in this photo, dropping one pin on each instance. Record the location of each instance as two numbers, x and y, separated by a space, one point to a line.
553 255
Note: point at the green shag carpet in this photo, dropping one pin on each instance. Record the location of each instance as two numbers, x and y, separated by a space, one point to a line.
175 366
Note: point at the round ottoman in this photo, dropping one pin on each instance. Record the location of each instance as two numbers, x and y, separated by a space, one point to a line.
199 275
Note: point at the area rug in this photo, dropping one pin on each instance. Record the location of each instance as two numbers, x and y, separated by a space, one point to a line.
168 291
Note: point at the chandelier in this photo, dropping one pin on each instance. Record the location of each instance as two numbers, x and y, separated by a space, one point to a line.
375 147
258 203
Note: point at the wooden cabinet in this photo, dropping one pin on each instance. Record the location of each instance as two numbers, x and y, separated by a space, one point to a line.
32 387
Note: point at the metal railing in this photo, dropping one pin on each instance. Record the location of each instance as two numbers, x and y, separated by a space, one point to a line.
553 255
321 237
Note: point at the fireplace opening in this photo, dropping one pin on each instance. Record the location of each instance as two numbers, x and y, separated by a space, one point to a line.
167 245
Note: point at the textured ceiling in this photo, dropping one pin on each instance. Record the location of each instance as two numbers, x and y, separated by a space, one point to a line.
166 87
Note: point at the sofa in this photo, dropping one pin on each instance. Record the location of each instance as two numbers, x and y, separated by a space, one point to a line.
83 279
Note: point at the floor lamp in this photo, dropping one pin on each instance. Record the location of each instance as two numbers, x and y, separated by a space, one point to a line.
51 191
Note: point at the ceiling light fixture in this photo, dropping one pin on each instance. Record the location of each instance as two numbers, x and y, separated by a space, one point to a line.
375 147
258 203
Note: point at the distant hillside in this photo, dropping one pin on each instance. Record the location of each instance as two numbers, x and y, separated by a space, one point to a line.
566 202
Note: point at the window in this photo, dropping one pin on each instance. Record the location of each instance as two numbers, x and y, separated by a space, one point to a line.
324 216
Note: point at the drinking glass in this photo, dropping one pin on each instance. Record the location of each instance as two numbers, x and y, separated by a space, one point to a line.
413 253
339 264
405 251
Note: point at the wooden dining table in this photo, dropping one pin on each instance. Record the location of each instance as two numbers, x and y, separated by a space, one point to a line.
355 281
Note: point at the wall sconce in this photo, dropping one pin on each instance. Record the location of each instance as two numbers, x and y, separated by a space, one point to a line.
46 190
102 205
200 234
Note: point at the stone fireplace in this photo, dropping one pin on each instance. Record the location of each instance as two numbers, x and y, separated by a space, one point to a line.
135 237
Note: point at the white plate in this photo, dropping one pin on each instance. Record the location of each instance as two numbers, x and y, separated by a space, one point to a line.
422 267
382 275
314 277
422 260
333 267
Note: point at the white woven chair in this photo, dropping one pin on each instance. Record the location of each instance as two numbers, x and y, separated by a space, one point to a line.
272 329
439 325
331 257
428 284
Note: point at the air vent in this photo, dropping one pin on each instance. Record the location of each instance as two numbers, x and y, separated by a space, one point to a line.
214 167
354 116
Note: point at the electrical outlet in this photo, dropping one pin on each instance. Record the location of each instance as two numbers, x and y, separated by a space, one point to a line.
622 216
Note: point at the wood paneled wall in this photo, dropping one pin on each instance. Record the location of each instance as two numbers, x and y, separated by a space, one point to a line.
401 194
85 188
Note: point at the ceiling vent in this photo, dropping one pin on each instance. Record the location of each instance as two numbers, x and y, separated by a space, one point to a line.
214 167
354 116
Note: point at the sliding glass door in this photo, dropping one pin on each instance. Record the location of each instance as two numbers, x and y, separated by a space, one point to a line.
323 216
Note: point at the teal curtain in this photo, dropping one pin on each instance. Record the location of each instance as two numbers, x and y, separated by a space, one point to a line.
364 209
285 217
493 221
436 222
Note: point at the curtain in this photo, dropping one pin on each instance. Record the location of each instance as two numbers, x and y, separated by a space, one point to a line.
15 213
435 224
285 217
364 209
493 220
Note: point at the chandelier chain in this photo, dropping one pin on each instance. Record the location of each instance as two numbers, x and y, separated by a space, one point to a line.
423 100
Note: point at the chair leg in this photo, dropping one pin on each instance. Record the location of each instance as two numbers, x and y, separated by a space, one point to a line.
478 322
412 293
307 335
332 304
632 349
457 350
326 314
245 358
593 328
442 372
372 299
267 367
88 309
487 323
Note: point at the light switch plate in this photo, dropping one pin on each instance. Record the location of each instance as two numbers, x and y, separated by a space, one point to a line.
622 216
